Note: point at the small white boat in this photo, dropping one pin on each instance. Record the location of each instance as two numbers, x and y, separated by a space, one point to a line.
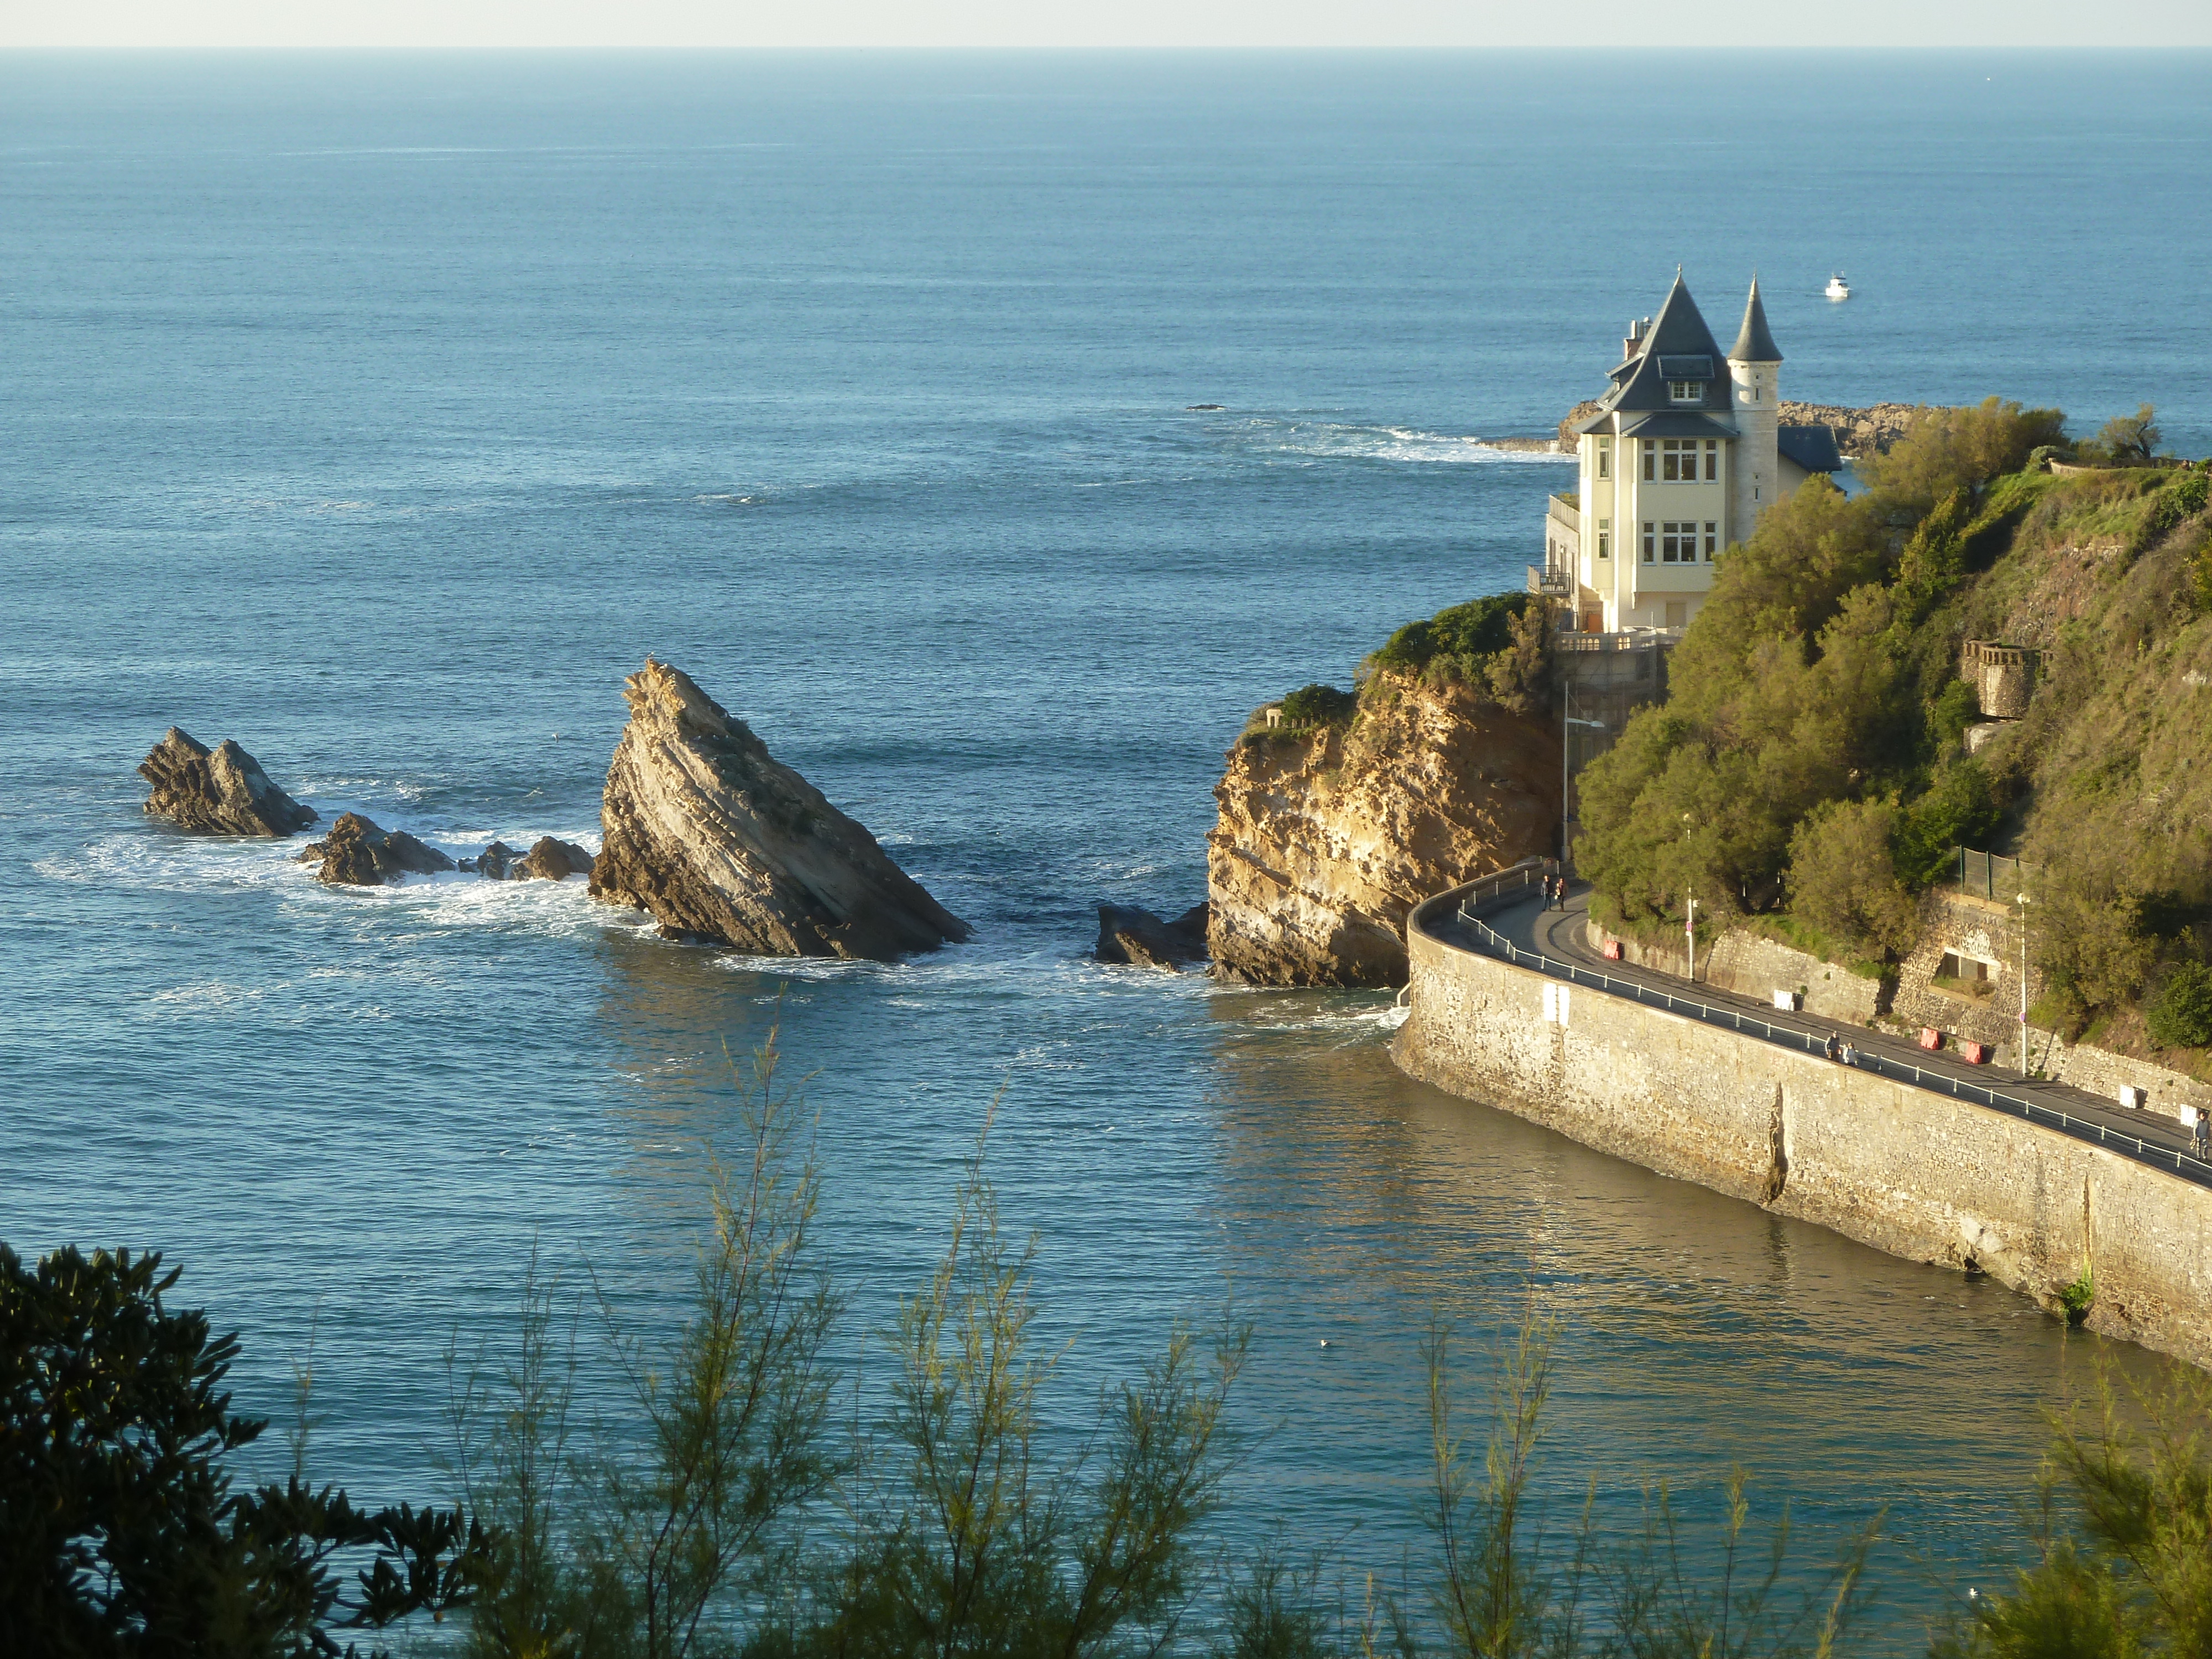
1838 289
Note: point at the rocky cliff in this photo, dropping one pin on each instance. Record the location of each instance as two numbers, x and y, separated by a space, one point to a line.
721 842
221 791
1326 837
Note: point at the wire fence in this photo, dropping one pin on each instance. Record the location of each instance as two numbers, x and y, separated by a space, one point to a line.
1510 884
1992 874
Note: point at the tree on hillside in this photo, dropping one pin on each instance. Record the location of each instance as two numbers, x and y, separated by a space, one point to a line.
1964 448
122 1533
1813 674
1843 876
2130 440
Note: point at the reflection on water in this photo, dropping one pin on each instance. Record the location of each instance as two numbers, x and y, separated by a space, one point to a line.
1694 1332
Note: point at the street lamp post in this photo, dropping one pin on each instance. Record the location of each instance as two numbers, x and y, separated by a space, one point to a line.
1689 905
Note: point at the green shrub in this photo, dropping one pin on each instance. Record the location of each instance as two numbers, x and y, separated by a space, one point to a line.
2181 1017
1469 631
1311 706
2182 497
1843 876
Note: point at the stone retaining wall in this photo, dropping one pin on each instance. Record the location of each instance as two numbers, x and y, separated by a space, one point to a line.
1904 1169
1753 965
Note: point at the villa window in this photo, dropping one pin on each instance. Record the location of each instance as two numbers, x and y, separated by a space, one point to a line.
1678 459
1712 459
1712 540
1650 460
1605 457
1650 541
1605 538
1685 391
1678 543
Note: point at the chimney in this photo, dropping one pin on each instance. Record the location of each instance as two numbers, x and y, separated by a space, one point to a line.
1635 337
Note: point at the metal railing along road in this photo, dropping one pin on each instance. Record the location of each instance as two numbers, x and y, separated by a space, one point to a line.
1526 875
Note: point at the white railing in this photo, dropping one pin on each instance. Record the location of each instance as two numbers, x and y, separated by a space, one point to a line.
1511 885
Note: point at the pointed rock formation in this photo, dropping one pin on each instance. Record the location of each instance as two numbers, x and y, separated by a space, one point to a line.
722 843
219 792
356 853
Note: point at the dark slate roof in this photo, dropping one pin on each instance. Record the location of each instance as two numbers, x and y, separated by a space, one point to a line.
1675 423
1754 342
1640 384
1813 447
1686 368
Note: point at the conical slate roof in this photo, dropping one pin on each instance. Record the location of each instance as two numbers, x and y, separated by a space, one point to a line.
1678 348
1754 342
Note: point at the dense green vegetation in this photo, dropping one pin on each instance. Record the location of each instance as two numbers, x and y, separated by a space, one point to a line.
1809 760
1499 645
737 1508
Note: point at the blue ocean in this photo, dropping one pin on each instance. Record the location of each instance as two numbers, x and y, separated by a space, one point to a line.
382 412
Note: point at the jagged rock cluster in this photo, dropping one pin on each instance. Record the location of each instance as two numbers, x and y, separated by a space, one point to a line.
223 791
219 792
357 854
707 831
1868 431
1326 839
1129 934
548 859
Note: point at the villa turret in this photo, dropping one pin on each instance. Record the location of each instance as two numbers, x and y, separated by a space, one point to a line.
1684 452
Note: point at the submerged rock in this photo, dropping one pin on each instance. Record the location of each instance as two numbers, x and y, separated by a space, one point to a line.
1130 933
221 791
1328 837
357 854
722 843
549 859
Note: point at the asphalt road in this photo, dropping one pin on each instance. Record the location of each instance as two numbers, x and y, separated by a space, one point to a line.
1562 934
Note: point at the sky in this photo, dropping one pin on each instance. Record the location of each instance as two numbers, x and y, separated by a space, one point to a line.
1122 23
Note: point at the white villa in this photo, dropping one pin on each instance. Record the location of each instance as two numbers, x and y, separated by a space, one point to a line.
1686 450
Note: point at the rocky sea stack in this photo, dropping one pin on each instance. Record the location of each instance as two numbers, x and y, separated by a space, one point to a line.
357 854
1328 836
1131 934
218 791
705 829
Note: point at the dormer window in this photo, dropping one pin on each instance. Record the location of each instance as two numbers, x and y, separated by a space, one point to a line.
1686 391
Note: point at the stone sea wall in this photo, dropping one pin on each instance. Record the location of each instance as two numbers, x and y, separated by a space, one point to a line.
1900 1169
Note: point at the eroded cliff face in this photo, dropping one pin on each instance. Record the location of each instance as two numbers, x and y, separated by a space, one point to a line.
1325 841
722 843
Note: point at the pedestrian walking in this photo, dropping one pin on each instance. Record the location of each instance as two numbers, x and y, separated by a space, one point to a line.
2200 1133
1850 1055
1831 1049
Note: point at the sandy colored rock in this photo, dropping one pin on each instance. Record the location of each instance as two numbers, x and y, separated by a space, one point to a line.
219 792
722 843
1326 840
1130 933
357 854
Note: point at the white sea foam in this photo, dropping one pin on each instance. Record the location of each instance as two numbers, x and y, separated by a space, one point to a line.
1350 441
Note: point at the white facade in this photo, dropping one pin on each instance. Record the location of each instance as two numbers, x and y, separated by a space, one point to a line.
1679 463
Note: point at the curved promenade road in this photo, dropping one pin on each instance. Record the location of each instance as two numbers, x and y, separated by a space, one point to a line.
1562 935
